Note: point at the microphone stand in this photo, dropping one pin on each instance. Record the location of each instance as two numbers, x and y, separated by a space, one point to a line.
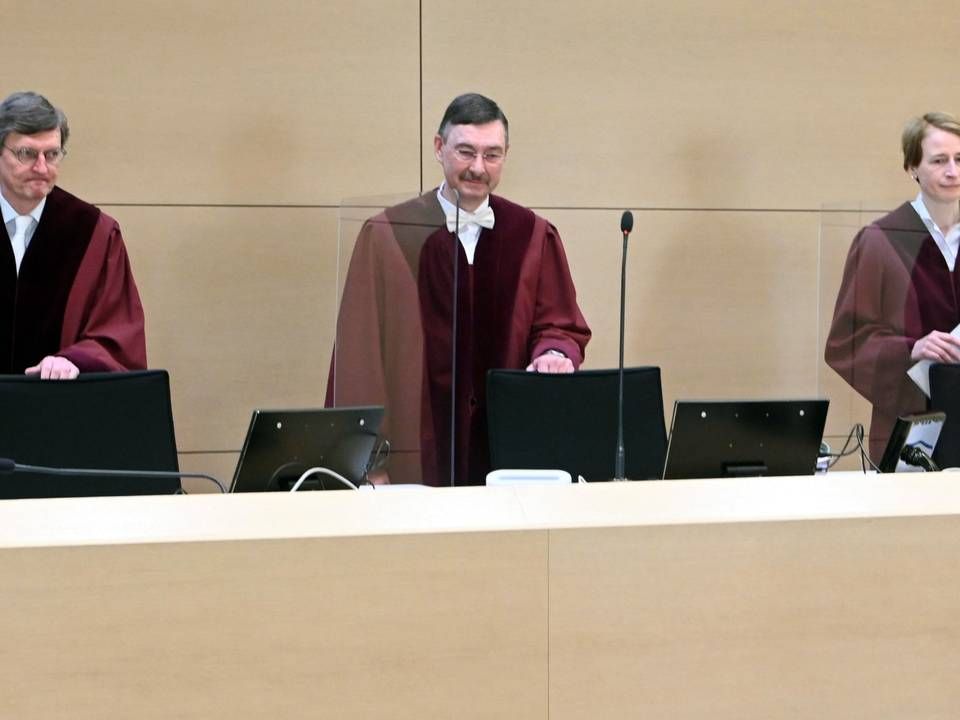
626 225
453 354
8 466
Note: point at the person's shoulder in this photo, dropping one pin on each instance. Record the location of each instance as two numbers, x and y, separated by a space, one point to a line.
503 207
71 210
60 199
900 233
902 219
422 209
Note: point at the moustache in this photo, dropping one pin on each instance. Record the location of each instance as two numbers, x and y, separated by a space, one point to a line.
481 177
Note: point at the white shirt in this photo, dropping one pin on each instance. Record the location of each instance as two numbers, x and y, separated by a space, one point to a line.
10 215
470 233
948 243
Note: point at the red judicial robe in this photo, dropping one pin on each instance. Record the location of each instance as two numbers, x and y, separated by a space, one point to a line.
395 324
896 288
75 295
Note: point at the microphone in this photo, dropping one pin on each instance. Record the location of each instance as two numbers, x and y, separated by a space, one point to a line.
8 466
626 226
453 343
917 456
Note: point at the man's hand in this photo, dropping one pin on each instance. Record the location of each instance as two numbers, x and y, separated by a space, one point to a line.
53 367
551 363
938 347
378 477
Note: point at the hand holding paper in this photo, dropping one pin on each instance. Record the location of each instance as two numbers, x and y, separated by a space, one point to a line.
938 346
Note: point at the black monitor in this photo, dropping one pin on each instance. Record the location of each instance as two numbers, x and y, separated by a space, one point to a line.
282 444
111 421
945 397
741 438
910 434
569 422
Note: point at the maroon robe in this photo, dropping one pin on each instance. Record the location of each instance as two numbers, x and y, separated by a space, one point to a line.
896 289
74 297
395 326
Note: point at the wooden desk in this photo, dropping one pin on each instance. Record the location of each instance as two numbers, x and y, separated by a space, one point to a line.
751 598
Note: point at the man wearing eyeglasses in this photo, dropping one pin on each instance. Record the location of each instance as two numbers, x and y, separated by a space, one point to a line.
68 302
515 305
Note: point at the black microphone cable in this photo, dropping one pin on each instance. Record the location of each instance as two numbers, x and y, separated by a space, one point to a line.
453 352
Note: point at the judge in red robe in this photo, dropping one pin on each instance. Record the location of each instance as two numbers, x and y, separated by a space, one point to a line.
516 305
68 301
900 294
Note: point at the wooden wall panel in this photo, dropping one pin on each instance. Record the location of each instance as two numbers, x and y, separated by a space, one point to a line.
193 102
789 620
306 627
667 103
240 306
724 302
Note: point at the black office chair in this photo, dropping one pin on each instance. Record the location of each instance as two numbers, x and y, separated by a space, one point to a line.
120 421
945 397
569 422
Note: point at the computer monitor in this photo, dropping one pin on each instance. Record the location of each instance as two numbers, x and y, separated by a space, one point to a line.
912 431
110 421
282 444
739 438
945 397
569 422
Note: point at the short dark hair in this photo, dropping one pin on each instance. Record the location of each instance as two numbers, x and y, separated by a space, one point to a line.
473 109
916 130
28 113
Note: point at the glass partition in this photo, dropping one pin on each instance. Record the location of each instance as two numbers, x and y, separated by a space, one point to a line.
725 303
398 268
881 287
729 304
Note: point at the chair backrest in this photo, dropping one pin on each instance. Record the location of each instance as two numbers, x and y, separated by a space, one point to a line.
113 421
945 397
569 422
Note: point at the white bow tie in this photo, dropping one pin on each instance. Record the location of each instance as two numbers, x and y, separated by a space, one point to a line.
483 218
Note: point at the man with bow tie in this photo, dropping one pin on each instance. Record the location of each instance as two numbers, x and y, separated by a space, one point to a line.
68 303
515 304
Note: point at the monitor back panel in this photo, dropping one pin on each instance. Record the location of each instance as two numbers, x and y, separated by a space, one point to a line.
713 438
282 444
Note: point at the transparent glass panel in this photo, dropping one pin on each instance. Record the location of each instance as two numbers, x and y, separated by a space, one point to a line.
725 303
397 271
883 285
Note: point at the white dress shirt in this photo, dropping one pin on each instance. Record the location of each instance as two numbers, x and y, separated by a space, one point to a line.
470 233
948 243
10 216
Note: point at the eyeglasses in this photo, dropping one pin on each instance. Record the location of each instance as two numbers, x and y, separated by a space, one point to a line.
467 154
29 156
